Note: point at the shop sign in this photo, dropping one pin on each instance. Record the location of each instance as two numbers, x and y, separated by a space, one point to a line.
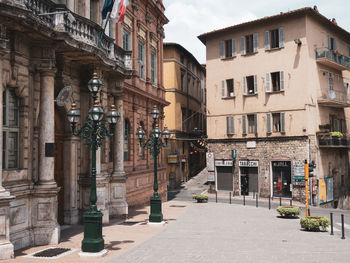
281 163
223 163
248 163
172 158
251 144
211 177
210 161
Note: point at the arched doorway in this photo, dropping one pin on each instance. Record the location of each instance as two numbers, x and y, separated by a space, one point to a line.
59 163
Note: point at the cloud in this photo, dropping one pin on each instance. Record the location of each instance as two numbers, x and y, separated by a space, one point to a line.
190 18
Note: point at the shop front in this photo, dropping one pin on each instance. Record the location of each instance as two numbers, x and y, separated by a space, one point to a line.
249 172
281 177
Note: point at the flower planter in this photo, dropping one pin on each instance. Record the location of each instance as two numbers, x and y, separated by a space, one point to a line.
314 223
200 198
288 211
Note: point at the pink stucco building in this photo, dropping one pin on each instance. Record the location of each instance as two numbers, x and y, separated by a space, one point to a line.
277 89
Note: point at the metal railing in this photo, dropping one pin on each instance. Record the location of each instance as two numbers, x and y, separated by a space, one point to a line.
335 96
80 29
334 56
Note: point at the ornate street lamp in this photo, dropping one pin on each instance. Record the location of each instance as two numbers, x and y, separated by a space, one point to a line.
154 143
93 131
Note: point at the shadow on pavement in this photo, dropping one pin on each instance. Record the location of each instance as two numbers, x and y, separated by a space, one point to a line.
111 245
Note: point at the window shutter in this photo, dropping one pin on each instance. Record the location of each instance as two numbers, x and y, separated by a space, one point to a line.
234 53
230 125
255 42
255 84
222 49
281 80
267 40
233 85
335 44
242 45
244 81
223 88
267 83
329 42
282 120
244 125
255 123
268 123
281 37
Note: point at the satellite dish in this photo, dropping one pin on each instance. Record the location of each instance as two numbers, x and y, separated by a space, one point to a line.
331 94
64 96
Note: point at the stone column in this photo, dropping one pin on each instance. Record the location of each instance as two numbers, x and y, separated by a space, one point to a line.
47 129
6 247
70 5
118 206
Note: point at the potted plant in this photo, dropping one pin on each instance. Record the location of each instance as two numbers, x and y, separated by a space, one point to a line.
336 137
200 198
288 211
314 223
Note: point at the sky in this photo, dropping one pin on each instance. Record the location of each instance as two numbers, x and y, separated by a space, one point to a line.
190 18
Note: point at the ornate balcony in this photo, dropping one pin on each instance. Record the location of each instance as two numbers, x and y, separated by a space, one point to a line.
333 59
59 23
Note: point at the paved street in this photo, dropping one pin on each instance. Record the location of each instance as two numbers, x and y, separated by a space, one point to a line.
217 232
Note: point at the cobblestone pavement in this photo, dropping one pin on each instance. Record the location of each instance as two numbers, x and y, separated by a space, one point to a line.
218 232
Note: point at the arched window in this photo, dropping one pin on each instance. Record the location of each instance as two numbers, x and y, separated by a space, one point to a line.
126 140
141 150
10 132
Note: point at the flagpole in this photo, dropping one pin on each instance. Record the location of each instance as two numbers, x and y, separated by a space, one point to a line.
104 27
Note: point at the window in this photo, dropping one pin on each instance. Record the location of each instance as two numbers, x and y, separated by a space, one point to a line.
250 86
141 153
278 122
249 44
126 40
189 85
154 68
228 48
182 81
230 129
126 140
183 118
332 43
141 59
193 87
182 59
274 81
274 38
252 125
228 88
10 130
330 81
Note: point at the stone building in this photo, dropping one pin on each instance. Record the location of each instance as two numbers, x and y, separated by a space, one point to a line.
47 46
184 81
277 96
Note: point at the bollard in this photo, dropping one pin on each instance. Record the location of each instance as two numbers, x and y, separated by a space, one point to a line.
280 201
269 202
257 204
216 197
309 214
230 197
342 227
243 199
331 218
290 202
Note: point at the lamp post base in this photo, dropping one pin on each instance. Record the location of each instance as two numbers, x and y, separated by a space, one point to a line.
93 241
156 215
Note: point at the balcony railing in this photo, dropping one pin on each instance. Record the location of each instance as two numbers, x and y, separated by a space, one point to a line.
328 141
81 29
334 98
332 58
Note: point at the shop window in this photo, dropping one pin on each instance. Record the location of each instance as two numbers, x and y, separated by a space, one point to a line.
10 134
281 175
126 140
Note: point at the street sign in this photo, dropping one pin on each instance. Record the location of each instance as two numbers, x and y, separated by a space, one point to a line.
299 173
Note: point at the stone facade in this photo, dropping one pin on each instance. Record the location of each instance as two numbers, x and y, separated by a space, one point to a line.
45 170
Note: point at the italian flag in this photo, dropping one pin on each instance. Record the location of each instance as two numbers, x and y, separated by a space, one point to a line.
119 10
